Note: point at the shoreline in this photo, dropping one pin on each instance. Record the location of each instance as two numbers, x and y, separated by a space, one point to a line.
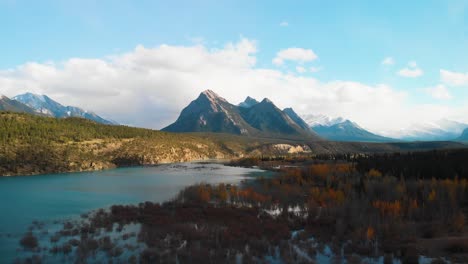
210 160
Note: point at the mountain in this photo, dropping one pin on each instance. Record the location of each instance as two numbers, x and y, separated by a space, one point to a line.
334 129
464 136
440 130
266 117
348 131
212 113
6 104
45 105
296 118
323 120
249 102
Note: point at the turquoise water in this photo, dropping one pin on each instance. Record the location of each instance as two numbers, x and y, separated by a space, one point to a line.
48 198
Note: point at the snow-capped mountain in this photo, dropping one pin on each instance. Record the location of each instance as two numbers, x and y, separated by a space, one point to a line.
440 130
322 120
348 131
7 104
43 104
340 129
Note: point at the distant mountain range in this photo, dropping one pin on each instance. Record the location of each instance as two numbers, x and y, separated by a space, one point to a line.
440 130
340 129
44 106
322 120
212 113
348 131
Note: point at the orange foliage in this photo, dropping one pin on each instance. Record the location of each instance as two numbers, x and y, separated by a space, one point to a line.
370 234
222 193
374 173
432 195
459 222
204 194
320 169
336 196
413 204
250 195
388 208
344 168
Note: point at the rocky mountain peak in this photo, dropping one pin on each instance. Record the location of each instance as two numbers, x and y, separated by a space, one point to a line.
212 96
248 102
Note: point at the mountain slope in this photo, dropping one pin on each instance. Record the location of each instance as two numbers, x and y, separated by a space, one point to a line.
348 131
296 118
463 136
210 113
6 104
45 105
32 144
322 120
268 118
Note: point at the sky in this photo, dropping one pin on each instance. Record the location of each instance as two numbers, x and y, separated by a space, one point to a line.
385 66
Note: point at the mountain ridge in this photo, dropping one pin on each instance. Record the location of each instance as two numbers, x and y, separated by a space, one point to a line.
349 131
43 104
7 104
210 112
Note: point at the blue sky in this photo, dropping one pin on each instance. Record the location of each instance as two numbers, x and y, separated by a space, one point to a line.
349 38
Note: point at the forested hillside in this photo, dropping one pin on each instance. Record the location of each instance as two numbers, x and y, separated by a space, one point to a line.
31 145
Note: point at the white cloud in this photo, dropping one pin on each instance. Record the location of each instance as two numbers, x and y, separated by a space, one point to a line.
150 86
294 54
284 24
300 69
439 92
412 71
388 61
315 69
454 78
412 64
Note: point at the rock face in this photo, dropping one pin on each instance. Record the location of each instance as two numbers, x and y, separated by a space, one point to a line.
212 113
248 102
44 105
268 118
7 104
296 118
348 131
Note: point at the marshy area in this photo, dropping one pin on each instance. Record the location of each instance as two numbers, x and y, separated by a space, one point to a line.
386 208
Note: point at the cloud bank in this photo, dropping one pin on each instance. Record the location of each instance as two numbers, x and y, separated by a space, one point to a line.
148 87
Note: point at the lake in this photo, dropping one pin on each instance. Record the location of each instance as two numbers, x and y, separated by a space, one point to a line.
48 198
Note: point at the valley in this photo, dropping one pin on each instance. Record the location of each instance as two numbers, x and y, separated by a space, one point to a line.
32 144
